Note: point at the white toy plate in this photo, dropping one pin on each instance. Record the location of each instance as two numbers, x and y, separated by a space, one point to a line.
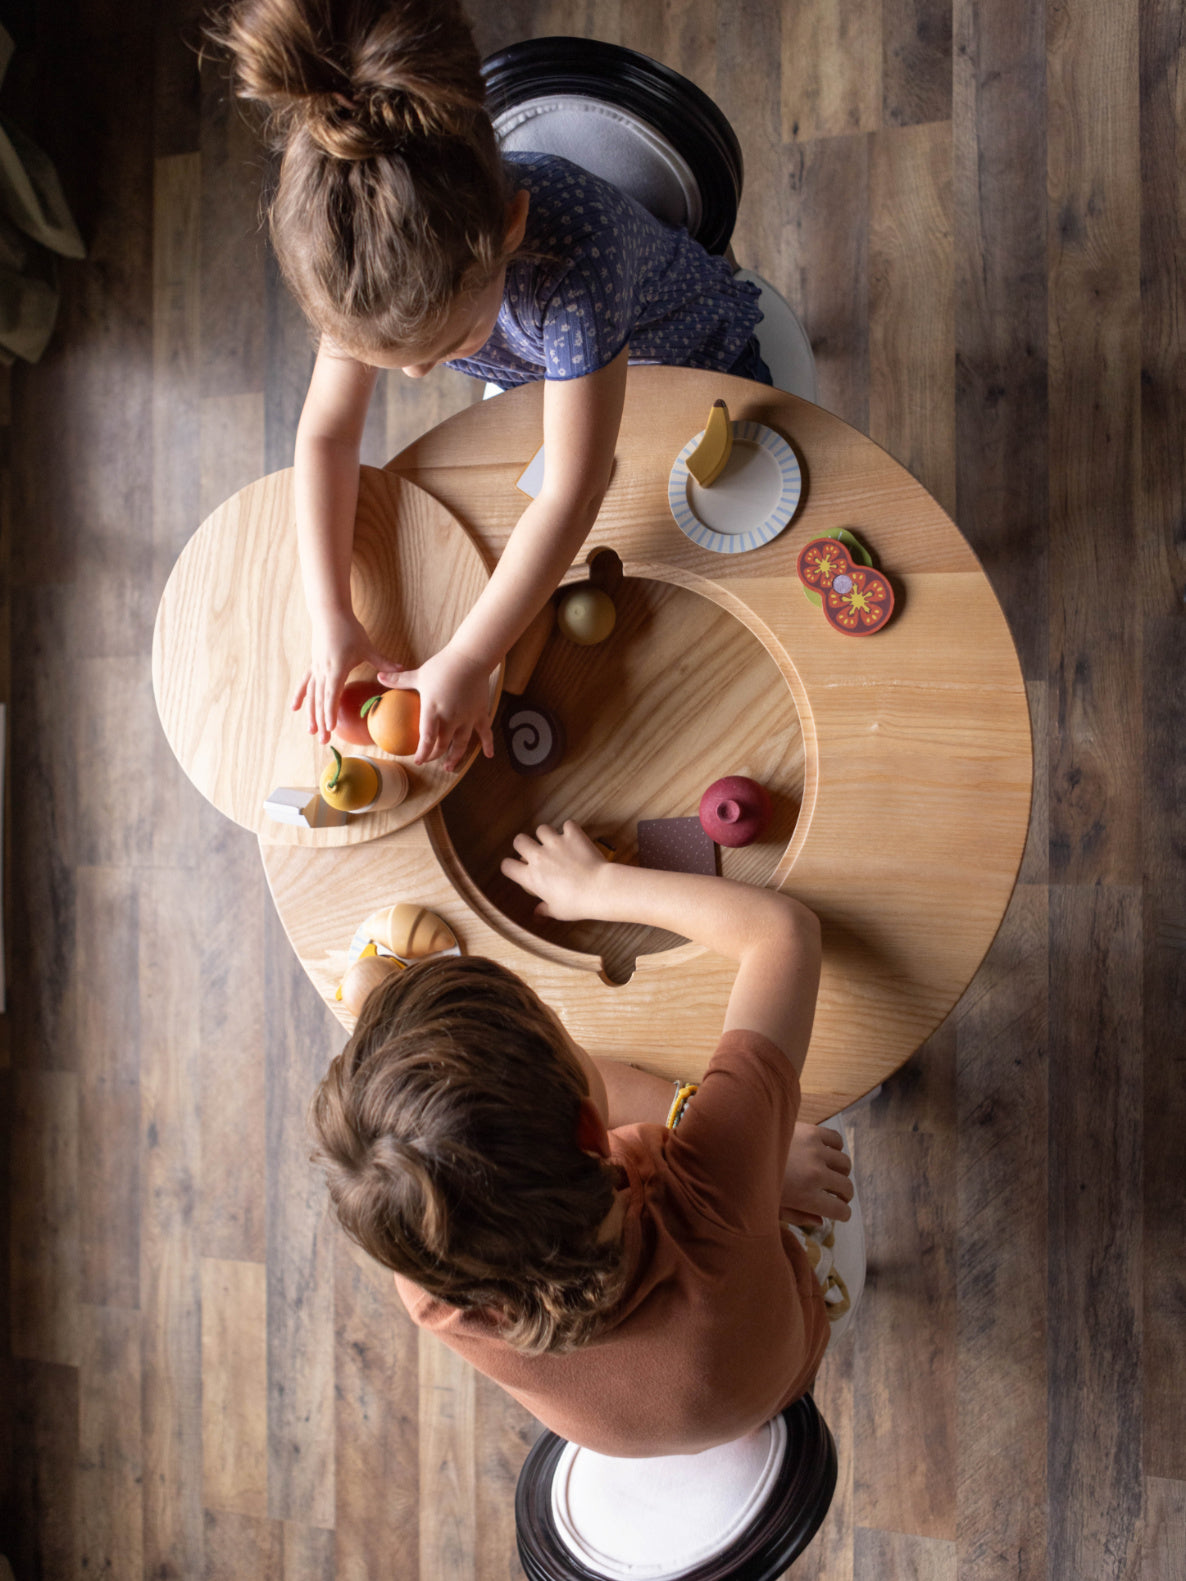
749 504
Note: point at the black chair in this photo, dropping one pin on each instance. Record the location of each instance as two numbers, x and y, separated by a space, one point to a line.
655 135
565 1535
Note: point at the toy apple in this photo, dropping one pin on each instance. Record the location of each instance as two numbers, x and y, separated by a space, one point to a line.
351 726
735 810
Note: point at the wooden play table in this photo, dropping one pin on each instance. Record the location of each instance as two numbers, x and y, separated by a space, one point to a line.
899 763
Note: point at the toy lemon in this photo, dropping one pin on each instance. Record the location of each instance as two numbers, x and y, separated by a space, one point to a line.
349 784
707 461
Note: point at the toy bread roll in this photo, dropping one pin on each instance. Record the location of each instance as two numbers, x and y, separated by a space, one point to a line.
410 931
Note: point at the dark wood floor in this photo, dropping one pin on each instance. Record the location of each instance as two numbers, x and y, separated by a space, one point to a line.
978 209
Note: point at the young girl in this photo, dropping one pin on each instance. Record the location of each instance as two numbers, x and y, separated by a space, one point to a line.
409 241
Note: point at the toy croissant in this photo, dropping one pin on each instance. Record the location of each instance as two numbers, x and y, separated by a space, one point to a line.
407 931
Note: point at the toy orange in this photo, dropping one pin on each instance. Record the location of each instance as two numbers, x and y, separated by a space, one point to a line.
393 720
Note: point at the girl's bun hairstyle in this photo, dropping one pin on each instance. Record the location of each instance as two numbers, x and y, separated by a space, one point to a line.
391 198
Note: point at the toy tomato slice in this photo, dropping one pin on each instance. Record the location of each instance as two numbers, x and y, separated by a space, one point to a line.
856 599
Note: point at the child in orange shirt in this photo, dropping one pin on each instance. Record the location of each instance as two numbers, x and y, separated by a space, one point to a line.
632 1283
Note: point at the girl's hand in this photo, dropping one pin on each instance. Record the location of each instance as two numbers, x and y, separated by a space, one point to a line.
562 869
339 644
454 702
816 1184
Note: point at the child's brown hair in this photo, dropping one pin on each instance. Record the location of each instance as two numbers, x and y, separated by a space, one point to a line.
447 1131
391 200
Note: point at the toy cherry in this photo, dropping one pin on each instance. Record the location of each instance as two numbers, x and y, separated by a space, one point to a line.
735 810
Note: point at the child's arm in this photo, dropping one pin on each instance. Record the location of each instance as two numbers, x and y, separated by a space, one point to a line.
326 487
774 939
581 418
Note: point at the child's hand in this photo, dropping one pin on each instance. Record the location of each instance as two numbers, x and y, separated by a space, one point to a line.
339 644
816 1184
454 702
562 869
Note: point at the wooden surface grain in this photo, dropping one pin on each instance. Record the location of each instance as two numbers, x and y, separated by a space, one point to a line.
918 738
1053 1317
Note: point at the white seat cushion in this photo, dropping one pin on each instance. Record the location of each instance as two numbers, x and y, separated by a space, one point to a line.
654 1520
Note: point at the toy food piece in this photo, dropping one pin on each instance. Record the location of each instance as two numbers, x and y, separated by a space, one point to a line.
349 784
394 721
364 977
409 930
855 548
525 651
303 808
393 785
534 738
856 599
351 726
675 845
707 461
586 615
735 810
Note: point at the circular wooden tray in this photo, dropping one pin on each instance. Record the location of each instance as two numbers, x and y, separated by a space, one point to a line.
232 640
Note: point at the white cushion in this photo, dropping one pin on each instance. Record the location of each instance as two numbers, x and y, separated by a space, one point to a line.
656 1519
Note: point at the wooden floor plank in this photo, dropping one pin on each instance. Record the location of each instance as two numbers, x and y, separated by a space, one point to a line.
309 1553
822 198
1164 1068
911 311
999 143
110 1476
176 342
878 1554
1164 1548
916 61
232 258
234 1387
1163 304
170 1271
831 69
448 1535
1094 1279
234 905
107 951
45 1409
46 1322
904 1379
1001 1277
299 1044
376 1423
237 1545
1094 316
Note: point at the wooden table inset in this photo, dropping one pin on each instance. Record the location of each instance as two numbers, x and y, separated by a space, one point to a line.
900 762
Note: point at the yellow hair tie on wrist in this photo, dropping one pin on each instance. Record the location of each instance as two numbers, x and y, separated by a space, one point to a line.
683 1091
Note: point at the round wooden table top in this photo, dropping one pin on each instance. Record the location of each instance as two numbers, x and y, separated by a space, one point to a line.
232 639
900 763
